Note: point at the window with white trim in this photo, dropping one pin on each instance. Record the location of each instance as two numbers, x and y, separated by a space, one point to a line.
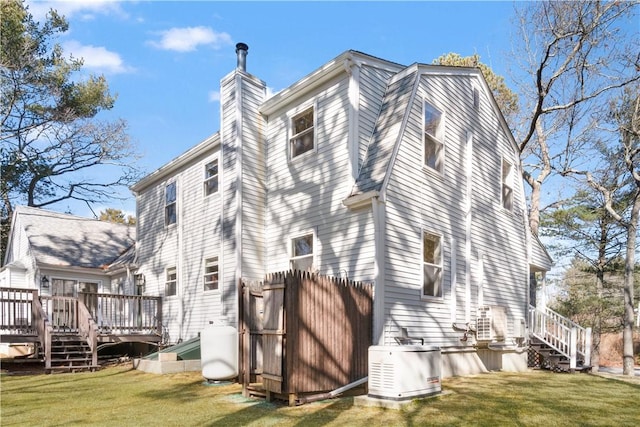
211 177
171 282
211 274
431 265
433 138
302 252
507 185
302 133
170 211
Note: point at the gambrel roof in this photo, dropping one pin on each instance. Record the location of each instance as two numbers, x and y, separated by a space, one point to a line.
56 239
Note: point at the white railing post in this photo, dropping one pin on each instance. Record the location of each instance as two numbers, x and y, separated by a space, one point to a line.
587 347
573 344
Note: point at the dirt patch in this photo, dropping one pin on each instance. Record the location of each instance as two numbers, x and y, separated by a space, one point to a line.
611 349
21 367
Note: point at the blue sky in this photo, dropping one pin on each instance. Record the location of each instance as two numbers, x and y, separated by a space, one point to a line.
165 59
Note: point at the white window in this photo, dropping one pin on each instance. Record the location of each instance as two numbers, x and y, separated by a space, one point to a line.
302 133
476 99
170 211
211 274
507 185
302 252
433 138
431 265
171 283
211 177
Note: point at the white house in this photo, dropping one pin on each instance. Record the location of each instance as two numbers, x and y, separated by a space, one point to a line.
62 254
404 176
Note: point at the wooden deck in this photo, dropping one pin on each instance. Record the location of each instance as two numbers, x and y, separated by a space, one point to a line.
97 319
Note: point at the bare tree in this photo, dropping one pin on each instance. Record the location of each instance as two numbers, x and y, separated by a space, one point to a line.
575 54
624 114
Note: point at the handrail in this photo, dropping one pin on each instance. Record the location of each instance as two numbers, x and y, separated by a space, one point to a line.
43 327
89 331
561 333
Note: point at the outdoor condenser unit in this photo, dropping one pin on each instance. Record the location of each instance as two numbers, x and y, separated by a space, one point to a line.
404 371
491 323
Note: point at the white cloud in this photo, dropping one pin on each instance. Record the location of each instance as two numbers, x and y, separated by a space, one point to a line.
97 58
189 38
80 9
214 96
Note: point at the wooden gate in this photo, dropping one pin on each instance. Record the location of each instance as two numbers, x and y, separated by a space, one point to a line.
311 334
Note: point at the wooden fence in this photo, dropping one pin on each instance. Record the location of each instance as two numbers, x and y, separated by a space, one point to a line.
304 333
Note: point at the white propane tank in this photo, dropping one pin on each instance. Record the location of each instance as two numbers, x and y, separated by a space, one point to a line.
219 352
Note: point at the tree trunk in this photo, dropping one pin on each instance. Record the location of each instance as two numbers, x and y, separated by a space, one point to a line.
534 208
628 359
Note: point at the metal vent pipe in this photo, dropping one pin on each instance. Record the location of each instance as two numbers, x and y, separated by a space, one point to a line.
241 51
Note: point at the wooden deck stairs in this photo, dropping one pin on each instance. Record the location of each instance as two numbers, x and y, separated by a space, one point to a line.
70 352
561 344
67 331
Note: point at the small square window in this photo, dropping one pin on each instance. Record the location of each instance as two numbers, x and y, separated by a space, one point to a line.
507 185
211 274
302 129
302 252
433 137
432 265
170 211
211 178
170 287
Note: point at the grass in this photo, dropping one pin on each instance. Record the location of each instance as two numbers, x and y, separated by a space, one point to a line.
120 396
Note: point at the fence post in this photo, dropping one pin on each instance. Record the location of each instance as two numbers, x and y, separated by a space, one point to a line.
573 341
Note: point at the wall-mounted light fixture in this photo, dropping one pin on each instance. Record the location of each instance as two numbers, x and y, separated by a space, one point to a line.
139 282
44 282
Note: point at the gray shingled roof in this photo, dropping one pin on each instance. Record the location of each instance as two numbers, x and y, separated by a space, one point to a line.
68 240
395 106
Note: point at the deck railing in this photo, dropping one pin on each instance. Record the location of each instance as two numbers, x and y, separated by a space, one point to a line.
562 334
124 314
16 311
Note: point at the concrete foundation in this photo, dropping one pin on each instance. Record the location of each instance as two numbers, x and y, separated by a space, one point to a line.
166 366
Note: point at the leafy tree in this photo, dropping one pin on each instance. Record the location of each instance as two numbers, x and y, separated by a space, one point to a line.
507 100
575 55
117 216
582 227
53 147
623 147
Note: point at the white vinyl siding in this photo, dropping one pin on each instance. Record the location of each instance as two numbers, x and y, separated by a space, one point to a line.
417 202
308 194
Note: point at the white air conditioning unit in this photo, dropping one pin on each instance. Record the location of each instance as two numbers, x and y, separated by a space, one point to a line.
491 323
404 371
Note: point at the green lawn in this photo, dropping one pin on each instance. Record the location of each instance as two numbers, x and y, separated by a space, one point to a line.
119 396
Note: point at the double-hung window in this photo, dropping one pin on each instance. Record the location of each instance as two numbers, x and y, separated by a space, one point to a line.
211 177
302 133
431 265
302 252
507 185
433 138
170 211
211 274
171 283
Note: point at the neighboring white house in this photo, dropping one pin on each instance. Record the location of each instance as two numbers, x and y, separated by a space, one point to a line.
62 254
407 177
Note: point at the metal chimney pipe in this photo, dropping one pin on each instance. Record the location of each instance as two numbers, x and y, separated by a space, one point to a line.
241 51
